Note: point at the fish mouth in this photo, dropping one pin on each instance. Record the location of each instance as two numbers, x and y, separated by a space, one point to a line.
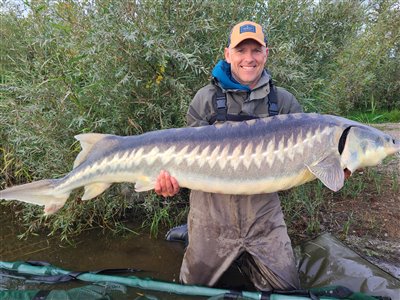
395 152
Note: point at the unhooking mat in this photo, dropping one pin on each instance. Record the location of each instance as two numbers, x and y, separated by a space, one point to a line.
325 261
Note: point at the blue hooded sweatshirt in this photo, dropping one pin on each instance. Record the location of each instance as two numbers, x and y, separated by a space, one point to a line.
222 73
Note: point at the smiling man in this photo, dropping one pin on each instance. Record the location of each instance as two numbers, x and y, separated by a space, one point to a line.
246 57
226 228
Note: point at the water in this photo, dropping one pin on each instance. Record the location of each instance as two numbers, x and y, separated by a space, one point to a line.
92 250
96 250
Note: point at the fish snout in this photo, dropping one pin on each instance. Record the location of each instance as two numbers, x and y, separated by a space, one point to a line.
396 146
397 149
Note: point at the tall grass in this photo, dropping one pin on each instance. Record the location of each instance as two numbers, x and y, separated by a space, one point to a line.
369 116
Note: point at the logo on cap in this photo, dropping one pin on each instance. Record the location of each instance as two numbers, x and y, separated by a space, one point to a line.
247 28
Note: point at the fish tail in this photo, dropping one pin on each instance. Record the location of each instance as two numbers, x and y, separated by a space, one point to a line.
42 192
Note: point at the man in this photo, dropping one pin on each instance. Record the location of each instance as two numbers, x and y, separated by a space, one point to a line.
225 228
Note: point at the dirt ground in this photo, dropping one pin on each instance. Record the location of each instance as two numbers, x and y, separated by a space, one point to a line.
373 218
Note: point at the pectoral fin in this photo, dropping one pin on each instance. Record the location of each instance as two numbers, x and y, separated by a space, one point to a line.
329 172
94 189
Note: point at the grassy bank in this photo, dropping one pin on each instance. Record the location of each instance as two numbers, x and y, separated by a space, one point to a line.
375 117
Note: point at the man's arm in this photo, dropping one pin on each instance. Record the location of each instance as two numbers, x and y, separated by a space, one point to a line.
287 103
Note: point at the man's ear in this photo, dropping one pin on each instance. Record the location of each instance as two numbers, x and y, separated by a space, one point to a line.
227 56
266 51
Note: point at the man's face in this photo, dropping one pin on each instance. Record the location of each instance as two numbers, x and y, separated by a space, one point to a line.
247 61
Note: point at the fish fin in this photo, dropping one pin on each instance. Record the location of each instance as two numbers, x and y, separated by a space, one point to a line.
94 189
329 172
87 140
144 184
40 192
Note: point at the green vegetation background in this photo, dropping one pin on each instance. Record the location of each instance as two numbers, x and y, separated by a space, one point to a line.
126 67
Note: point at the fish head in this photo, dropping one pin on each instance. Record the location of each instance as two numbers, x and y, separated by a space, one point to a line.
366 146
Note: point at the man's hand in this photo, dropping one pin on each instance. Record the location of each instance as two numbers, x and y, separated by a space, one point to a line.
166 185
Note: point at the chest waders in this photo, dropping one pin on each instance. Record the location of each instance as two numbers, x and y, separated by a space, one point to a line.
219 102
180 233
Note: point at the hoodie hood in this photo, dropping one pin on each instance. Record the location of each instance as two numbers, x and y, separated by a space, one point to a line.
222 73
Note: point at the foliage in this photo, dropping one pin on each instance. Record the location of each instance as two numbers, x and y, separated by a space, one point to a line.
372 82
392 116
126 67
306 38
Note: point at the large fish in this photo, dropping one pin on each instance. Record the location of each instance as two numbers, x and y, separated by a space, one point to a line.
251 157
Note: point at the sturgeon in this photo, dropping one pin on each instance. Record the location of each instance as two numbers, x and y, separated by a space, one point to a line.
251 157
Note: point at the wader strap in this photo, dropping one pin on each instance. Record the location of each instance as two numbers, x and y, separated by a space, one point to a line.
222 109
272 100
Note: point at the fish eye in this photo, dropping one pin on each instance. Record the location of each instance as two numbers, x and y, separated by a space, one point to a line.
389 139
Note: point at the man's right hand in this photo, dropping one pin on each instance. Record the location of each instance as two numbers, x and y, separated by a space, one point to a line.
166 185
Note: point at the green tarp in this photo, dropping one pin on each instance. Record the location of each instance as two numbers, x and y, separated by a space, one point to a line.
325 261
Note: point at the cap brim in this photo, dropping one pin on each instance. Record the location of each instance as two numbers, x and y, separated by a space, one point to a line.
243 38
